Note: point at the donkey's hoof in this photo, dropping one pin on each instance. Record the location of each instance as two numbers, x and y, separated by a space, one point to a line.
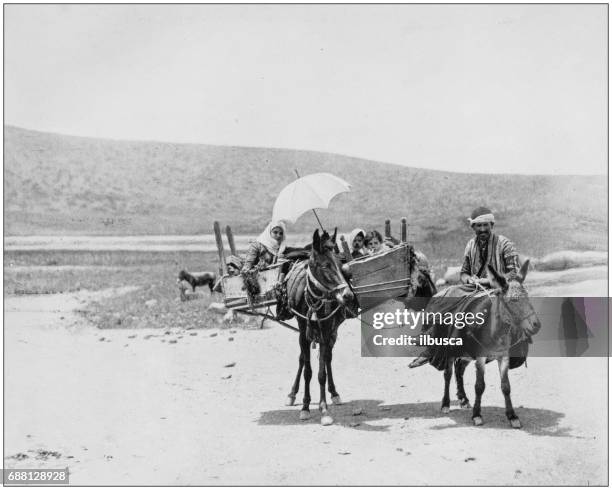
445 409
477 420
465 403
515 423
336 400
290 401
327 420
304 414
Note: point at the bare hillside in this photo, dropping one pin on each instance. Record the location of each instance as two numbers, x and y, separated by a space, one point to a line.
56 184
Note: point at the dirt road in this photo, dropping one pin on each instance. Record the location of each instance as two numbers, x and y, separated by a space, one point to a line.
160 407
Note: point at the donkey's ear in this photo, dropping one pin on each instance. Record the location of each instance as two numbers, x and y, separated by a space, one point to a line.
334 235
523 272
316 241
499 279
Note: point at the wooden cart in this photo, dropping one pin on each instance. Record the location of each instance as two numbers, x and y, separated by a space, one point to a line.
374 279
235 294
384 276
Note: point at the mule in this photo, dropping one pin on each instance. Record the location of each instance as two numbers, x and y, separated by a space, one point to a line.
510 316
320 309
332 297
425 285
424 288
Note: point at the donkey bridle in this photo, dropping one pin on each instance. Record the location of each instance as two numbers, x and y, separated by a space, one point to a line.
512 314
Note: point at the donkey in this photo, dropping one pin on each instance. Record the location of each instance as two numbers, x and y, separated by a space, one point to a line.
512 321
198 279
321 296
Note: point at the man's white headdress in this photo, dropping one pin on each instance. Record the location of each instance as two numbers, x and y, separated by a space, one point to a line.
481 215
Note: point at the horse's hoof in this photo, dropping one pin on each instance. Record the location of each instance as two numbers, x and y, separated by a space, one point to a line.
304 414
327 420
477 421
445 409
336 400
465 403
290 401
515 423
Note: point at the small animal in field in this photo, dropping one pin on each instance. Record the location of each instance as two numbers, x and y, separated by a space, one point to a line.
198 279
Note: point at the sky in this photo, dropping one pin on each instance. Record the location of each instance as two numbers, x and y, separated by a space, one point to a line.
469 88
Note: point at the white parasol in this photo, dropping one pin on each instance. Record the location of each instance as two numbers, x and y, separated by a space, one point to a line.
307 193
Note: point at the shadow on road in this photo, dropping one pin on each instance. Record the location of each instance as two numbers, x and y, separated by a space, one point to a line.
536 421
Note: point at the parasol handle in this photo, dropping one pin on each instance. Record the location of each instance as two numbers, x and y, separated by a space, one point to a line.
315 213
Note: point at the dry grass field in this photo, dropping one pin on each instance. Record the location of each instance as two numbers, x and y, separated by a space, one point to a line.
151 274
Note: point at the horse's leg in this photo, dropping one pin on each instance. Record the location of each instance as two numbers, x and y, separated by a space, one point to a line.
479 388
296 383
460 365
504 364
305 349
448 374
335 398
210 286
326 418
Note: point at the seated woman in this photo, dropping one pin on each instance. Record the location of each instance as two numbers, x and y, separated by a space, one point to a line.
356 239
267 248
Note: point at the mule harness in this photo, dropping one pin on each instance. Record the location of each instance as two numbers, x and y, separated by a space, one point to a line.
317 300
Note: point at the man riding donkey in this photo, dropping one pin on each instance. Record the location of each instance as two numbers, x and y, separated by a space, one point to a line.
484 249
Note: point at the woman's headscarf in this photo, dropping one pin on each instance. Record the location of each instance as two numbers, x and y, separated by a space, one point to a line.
356 252
353 235
265 238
